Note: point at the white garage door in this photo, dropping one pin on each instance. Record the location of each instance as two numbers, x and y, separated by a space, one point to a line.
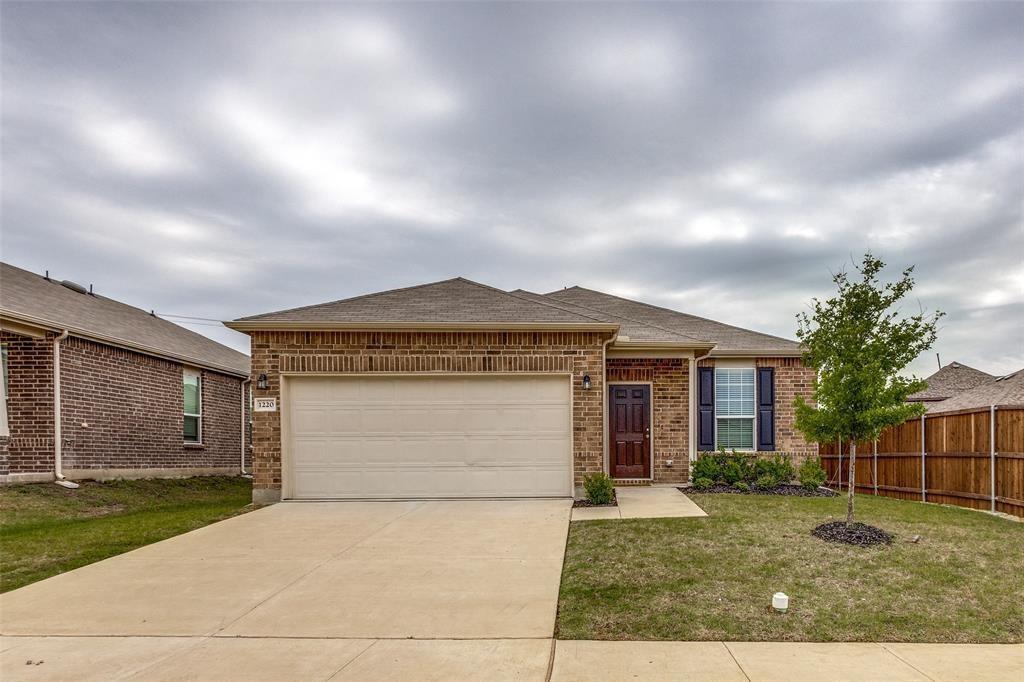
436 436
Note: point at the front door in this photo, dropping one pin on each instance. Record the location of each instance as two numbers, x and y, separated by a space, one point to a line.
630 409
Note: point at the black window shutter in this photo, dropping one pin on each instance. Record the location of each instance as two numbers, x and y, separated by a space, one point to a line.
706 408
766 408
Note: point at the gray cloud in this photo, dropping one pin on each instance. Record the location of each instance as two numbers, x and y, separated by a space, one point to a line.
722 159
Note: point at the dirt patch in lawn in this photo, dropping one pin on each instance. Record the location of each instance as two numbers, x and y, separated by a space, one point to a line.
860 534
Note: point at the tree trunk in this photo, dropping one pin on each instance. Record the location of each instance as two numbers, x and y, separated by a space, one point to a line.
852 486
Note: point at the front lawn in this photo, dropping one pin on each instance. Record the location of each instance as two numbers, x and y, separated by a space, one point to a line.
46 529
713 578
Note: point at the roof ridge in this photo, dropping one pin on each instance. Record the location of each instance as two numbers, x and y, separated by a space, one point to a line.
545 303
646 324
670 310
353 298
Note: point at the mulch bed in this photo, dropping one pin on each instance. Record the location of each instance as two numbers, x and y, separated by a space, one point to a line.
859 534
588 503
787 489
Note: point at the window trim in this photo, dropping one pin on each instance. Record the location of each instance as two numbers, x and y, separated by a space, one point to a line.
751 417
188 372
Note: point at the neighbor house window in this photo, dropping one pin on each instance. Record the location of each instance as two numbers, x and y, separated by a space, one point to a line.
4 427
193 405
734 407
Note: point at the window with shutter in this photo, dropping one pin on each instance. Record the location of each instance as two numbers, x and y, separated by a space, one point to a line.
734 407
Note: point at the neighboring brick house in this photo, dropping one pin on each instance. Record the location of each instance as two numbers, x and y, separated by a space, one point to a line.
456 389
137 396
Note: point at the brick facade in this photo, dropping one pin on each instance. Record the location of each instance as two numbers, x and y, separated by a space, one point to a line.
578 353
670 401
120 410
792 378
29 405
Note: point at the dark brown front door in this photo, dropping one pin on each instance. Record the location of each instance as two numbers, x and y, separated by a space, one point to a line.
629 411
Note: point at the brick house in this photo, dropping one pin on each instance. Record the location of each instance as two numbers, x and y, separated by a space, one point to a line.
93 388
456 389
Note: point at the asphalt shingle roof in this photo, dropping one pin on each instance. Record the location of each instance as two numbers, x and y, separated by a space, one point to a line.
725 337
450 301
636 330
28 295
951 380
1005 390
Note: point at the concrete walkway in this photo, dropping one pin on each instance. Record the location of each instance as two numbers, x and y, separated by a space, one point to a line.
226 659
353 590
581 661
643 502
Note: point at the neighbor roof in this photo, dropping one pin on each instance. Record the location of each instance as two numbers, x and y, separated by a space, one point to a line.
999 391
727 339
451 303
951 380
34 300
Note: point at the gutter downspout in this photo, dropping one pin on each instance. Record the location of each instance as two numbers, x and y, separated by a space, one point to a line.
241 462
693 432
58 441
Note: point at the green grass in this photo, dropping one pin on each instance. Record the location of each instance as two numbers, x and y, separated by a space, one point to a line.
46 529
713 578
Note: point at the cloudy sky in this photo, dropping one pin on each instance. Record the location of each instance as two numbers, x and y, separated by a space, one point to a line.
224 160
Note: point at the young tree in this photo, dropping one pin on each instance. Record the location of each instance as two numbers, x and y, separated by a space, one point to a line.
858 343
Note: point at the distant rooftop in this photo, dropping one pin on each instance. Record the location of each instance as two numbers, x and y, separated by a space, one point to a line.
33 299
949 381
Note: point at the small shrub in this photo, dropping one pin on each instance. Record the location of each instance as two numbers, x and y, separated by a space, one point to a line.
742 487
707 466
703 483
811 474
777 470
599 488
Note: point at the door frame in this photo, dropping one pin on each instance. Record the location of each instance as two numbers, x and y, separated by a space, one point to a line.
650 420
284 416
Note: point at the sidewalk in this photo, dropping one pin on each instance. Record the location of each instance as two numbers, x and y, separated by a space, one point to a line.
643 502
769 661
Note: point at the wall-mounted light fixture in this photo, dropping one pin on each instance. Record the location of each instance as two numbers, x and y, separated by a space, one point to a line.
586 382
261 382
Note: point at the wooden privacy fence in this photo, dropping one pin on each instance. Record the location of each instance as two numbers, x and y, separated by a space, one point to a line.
971 458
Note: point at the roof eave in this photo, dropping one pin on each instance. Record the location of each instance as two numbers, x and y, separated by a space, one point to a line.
50 325
314 325
658 345
760 353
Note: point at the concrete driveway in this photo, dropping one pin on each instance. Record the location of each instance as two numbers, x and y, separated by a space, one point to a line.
374 589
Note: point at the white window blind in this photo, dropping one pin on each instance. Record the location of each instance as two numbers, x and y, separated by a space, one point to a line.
734 407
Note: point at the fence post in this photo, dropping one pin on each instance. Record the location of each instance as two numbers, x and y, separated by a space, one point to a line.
992 452
874 464
839 470
924 488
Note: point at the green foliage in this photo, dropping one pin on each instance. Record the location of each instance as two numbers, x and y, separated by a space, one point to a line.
599 488
858 344
811 474
733 471
742 486
703 483
708 465
772 472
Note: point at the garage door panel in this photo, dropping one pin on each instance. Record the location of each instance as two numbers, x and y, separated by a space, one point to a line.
429 437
